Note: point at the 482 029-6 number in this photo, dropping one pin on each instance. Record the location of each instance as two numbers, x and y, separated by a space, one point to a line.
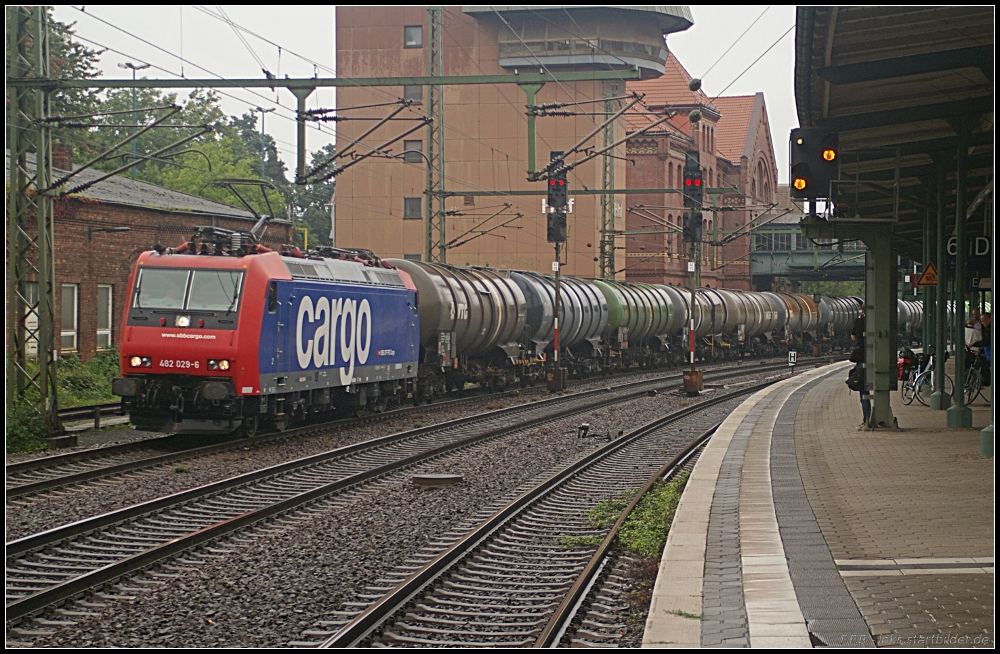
179 364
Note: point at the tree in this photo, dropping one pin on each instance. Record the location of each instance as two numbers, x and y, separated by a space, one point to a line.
311 203
69 59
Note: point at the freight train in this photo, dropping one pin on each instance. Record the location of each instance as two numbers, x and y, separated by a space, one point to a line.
223 334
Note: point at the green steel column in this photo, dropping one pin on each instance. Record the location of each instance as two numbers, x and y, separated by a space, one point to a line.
939 399
959 415
925 330
435 143
17 99
986 435
530 90
880 296
607 243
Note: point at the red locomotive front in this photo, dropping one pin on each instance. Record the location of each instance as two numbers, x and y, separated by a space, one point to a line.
191 329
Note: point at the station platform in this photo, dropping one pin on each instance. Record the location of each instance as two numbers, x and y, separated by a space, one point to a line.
798 530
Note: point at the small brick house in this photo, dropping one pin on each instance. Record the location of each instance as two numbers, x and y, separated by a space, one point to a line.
99 234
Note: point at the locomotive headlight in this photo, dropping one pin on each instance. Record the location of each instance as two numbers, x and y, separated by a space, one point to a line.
140 362
136 362
218 364
223 365
182 321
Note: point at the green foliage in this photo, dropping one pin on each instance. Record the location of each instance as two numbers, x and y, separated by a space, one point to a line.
25 429
834 288
87 382
604 514
579 541
231 150
645 530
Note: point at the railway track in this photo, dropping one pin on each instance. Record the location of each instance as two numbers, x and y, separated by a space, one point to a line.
518 578
46 569
36 476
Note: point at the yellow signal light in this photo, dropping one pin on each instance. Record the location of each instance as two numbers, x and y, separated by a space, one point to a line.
829 154
799 183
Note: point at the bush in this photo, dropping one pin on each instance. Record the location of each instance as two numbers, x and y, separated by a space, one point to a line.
87 382
25 429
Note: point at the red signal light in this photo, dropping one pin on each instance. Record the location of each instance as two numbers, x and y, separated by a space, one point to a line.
687 182
697 182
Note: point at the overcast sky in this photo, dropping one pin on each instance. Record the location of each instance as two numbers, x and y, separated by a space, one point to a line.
300 43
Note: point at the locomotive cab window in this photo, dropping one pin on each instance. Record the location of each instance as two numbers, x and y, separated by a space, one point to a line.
160 289
214 290
213 295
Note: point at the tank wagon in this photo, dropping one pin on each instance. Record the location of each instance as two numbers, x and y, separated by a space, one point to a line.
222 334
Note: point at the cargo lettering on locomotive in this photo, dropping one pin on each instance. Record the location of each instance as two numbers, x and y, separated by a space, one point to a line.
354 335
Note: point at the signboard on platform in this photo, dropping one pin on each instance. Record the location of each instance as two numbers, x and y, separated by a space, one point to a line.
929 277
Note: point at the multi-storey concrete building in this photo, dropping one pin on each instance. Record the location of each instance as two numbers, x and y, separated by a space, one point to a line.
381 203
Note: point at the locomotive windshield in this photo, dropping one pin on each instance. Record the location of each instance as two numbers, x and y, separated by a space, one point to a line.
188 290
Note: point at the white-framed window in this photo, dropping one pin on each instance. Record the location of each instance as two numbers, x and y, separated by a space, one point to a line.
105 306
70 296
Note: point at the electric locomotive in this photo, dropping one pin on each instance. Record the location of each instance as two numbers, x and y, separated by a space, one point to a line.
223 334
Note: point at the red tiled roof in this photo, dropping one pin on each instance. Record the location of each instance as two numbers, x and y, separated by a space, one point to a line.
732 130
670 88
636 120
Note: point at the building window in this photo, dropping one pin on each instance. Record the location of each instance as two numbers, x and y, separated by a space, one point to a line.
104 322
414 92
413 36
412 151
413 208
413 257
69 298
670 175
783 241
469 200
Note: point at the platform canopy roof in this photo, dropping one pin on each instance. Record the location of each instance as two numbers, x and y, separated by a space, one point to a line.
901 82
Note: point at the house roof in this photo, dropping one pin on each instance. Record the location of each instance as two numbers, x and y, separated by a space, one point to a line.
130 192
671 88
733 136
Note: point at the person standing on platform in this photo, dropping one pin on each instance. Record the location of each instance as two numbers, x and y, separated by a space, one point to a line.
858 336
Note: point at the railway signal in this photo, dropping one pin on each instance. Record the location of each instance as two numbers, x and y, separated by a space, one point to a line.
814 158
693 187
558 191
692 228
556 228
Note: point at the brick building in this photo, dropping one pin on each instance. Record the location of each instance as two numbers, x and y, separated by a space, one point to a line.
733 146
380 202
99 234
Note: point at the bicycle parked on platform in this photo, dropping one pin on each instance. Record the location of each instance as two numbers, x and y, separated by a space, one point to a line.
919 383
976 377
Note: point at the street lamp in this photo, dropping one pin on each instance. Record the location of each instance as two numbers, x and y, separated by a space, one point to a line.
135 122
